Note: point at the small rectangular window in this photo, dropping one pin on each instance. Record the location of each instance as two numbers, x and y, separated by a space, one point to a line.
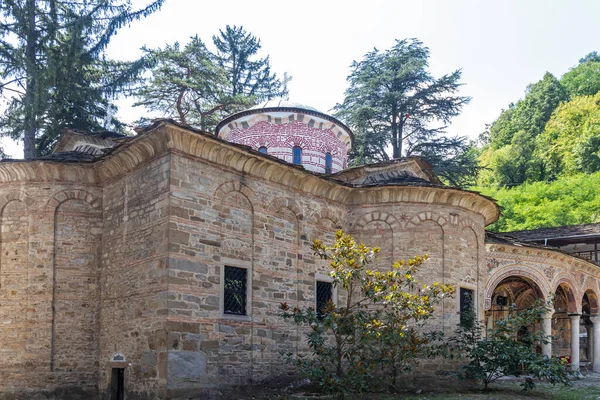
234 298
324 294
466 306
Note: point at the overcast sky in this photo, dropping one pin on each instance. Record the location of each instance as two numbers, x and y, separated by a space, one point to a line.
501 46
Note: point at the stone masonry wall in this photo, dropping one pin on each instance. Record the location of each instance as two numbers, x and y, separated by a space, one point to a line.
50 240
134 279
220 218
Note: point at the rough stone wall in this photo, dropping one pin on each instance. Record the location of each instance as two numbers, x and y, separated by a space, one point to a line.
451 237
220 218
134 278
77 242
50 238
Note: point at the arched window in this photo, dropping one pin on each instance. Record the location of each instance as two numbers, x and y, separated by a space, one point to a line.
262 149
328 163
297 155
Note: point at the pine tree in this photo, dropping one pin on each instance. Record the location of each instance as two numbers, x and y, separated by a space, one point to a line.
52 65
248 77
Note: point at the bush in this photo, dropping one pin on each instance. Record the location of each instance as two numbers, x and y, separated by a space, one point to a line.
376 332
508 349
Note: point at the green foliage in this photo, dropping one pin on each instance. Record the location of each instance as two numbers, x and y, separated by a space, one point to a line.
185 85
247 77
52 70
393 101
199 88
584 79
508 349
569 200
512 137
378 327
569 143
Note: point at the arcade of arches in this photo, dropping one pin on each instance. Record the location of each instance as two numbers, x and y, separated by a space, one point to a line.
519 276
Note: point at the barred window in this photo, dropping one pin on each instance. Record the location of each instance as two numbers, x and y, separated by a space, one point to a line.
234 298
466 306
324 294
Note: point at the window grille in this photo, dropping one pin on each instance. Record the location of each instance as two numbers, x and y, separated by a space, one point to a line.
324 294
466 306
297 155
328 163
234 299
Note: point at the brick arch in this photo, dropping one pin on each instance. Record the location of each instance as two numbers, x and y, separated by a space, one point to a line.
427 216
73 194
574 297
235 186
520 271
592 295
376 216
285 202
15 196
327 214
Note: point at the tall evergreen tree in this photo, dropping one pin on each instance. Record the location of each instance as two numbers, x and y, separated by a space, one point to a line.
186 85
198 88
50 54
248 77
393 101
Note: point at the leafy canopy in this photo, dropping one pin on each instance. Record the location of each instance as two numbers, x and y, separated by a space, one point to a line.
377 326
569 200
392 101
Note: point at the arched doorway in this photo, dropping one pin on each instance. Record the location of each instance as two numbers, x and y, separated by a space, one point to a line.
564 308
517 292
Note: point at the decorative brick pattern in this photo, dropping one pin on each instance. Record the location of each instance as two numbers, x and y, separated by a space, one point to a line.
279 139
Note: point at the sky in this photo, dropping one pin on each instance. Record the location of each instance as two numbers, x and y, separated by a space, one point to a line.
501 46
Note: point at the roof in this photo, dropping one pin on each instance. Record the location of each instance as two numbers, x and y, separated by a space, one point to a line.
280 103
561 232
412 170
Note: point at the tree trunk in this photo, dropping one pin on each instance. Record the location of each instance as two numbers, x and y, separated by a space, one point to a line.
396 145
30 128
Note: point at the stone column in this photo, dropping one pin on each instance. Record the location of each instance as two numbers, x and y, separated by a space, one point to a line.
596 337
574 341
589 349
547 331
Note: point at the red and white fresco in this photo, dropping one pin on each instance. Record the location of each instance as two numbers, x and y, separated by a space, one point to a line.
280 139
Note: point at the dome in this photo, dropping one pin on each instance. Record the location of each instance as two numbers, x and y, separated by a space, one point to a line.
280 103
294 132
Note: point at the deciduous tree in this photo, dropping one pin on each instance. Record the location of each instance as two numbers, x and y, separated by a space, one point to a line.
378 325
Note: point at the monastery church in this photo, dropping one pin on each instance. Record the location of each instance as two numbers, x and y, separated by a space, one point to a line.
153 266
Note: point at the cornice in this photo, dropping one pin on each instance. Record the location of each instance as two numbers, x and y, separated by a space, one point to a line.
552 257
47 171
165 136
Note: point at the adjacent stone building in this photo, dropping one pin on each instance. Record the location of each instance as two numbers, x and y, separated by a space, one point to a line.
153 266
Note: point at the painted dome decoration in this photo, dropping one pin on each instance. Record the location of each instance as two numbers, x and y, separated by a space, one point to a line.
293 132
